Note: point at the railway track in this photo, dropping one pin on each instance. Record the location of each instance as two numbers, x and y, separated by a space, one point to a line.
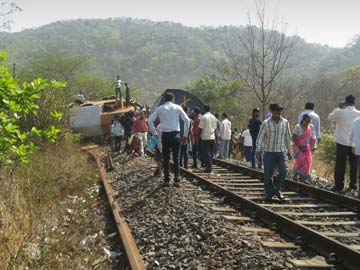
128 243
325 221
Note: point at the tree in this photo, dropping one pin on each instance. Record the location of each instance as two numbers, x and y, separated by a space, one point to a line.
16 143
6 10
224 97
56 66
260 58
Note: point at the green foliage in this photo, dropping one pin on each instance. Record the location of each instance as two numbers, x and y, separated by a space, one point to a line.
326 150
224 97
16 143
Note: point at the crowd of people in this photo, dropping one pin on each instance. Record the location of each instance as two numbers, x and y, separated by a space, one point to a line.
267 144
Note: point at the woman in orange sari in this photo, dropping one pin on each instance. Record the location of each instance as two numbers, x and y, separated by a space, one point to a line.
304 143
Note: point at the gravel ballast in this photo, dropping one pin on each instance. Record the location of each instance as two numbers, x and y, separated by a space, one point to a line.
175 229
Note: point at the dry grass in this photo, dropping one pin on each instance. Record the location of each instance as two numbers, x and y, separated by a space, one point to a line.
30 196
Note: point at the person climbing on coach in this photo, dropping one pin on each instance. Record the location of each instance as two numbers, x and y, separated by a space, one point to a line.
225 136
169 115
208 125
344 117
274 140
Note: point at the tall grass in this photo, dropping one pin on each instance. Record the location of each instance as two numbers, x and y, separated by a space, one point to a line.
30 196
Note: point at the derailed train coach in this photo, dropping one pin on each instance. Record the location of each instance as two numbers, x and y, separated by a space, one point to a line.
182 98
93 118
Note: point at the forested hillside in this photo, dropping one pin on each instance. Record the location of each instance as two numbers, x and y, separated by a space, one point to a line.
156 56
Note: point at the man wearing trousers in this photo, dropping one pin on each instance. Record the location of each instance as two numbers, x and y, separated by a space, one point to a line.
225 136
344 117
195 136
208 125
169 115
274 140
254 128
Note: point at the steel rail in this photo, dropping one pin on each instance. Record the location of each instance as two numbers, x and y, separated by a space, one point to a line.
345 256
323 194
132 253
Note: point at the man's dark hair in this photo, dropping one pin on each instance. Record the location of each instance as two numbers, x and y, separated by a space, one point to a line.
309 106
197 110
255 110
224 115
235 129
207 108
216 114
350 99
169 96
276 107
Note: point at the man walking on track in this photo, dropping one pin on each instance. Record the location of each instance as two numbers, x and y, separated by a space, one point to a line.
208 125
344 117
274 140
169 115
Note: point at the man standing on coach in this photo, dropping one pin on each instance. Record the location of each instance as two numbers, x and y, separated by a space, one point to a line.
274 140
169 115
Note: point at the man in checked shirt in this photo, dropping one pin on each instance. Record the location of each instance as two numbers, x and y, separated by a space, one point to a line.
274 140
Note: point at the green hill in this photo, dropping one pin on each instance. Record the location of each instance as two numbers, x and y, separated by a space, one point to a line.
156 55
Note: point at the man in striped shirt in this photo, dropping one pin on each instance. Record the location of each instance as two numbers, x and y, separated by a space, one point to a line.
274 140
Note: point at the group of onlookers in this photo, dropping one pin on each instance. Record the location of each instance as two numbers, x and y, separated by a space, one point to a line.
131 127
267 144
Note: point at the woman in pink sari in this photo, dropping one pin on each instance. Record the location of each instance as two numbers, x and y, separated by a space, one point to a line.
304 143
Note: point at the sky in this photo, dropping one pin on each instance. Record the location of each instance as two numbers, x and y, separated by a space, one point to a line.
330 22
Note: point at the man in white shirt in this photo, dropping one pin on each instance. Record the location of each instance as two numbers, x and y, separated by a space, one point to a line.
118 135
207 126
248 145
117 84
355 140
315 119
225 136
169 115
344 117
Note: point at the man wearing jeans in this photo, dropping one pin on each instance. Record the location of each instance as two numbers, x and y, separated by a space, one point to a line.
169 115
274 140
225 136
